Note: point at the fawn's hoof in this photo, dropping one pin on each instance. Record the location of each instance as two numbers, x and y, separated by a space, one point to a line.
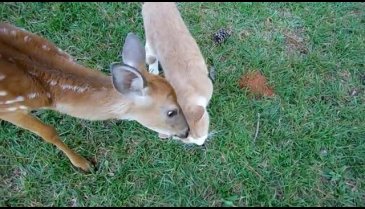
83 164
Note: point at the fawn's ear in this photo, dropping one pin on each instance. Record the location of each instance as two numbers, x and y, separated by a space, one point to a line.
133 53
127 80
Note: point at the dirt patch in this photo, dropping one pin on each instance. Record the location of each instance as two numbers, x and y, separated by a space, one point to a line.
295 42
256 84
11 182
293 31
243 34
344 76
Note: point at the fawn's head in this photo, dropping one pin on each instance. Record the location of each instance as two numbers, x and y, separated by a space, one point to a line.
154 102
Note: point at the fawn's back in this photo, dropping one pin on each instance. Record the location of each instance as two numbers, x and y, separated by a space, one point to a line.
36 74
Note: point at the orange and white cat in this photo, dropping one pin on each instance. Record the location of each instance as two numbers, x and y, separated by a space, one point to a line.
170 43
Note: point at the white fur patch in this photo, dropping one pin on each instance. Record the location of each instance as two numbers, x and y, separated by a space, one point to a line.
74 88
13 33
64 53
153 68
3 30
52 83
3 93
33 73
11 109
22 107
45 47
26 39
17 99
63 108
202 101
163 136
2 77
32 95
199 141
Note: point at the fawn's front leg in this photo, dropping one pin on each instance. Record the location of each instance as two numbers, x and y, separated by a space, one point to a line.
48 133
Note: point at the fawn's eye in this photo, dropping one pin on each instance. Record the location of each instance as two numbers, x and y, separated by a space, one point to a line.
171 113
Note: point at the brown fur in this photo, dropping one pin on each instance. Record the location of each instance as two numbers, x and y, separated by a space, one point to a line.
35 74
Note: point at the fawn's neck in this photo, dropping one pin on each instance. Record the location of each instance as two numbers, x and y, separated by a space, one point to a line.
91 96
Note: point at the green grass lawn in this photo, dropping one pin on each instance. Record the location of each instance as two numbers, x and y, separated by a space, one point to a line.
310 148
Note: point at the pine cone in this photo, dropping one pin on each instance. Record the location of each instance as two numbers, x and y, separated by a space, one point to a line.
221 35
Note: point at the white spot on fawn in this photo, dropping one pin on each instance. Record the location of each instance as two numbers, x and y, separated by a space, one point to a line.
32 95
3 30
65 54
48 95
3 93
22 107
74 88
11 109
2 77
53 83
17 99
11 60
13 33
26 38
45 47
33 73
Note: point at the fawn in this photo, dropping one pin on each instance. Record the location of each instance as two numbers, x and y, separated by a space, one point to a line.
36 74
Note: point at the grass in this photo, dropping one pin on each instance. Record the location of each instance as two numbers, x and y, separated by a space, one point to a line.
310 150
